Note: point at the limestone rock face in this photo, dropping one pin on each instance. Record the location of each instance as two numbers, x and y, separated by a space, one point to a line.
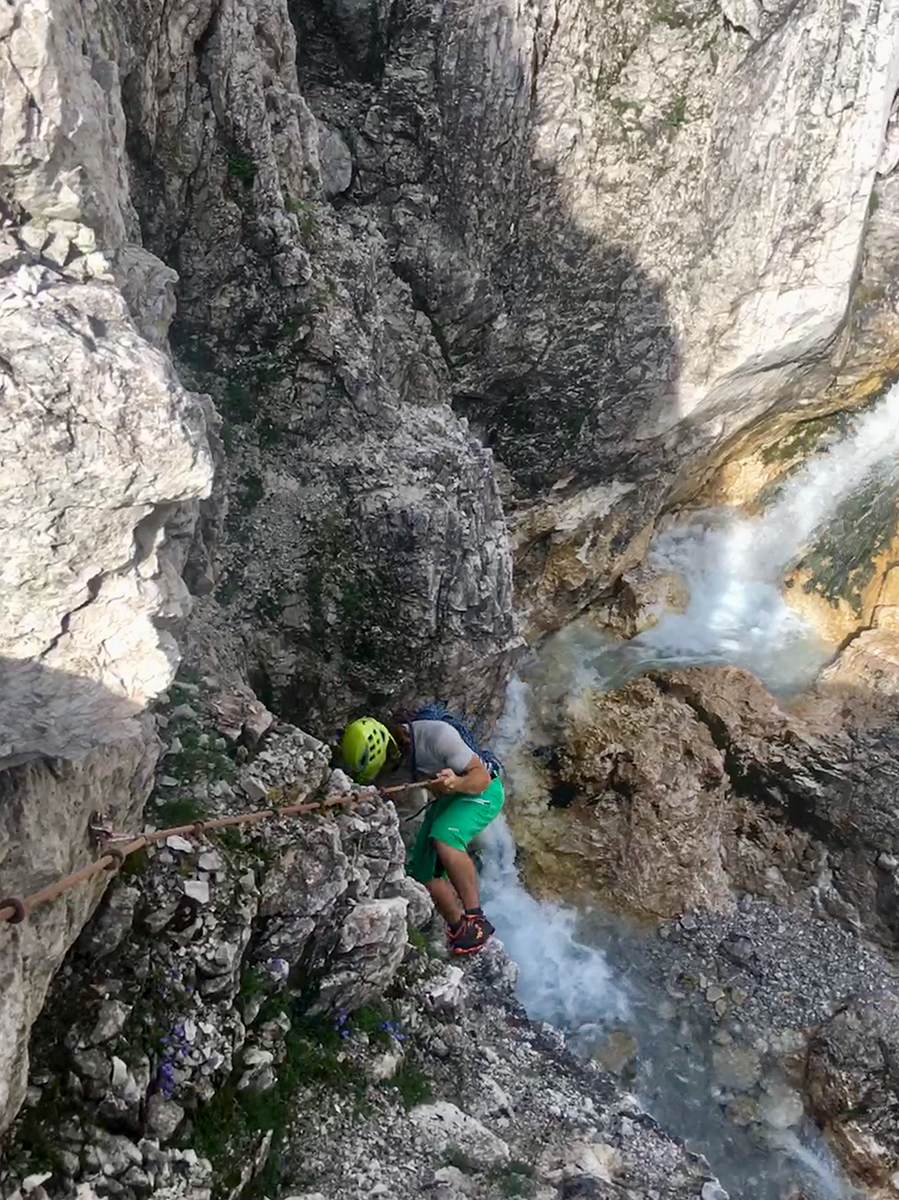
97 456
367 554
45 807
100 446
99 440
591 208
828 763
813 787
565 226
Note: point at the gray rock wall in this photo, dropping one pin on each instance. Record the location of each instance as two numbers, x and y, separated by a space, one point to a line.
367 559
608 241
101 448
632 232
45 808
599 243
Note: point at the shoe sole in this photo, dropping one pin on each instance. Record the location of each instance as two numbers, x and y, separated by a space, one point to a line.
469 949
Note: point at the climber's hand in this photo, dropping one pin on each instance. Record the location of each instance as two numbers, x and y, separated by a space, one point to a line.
447 780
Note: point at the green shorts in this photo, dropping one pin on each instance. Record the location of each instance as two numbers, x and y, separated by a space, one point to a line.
455 820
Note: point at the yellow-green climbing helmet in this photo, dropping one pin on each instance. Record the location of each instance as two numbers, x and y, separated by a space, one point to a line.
363 748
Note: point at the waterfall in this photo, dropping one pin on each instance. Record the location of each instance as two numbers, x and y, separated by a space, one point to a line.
560 979
734 565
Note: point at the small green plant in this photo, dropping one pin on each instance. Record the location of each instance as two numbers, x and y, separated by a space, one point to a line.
251 984
869 293
455 1156
667 13
227 1129
229 438
178 811
199 760
412 1085
375 1020
677 113
302 209
516 1178
226 590
419 940
623 106
231 838
251 490
242 168
268 432
238 404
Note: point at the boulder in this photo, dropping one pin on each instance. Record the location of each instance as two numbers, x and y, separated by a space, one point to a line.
644 791
371 946
446 1127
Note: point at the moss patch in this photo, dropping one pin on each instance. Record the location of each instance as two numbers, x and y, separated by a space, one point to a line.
198 758
241 167
514 1179
411 1084
841 562
806 437
677 114
667 13
180 810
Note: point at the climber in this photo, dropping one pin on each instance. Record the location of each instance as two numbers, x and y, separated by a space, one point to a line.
468 796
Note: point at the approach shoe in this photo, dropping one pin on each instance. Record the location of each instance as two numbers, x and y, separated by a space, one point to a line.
471 934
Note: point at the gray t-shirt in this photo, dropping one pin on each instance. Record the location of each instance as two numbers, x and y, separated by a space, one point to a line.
438 745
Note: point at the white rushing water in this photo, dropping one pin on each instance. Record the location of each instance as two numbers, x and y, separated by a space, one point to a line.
560 979
734 565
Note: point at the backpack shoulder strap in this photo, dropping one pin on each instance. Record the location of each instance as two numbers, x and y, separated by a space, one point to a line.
412 748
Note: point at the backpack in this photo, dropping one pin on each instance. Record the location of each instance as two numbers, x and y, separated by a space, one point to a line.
438 712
